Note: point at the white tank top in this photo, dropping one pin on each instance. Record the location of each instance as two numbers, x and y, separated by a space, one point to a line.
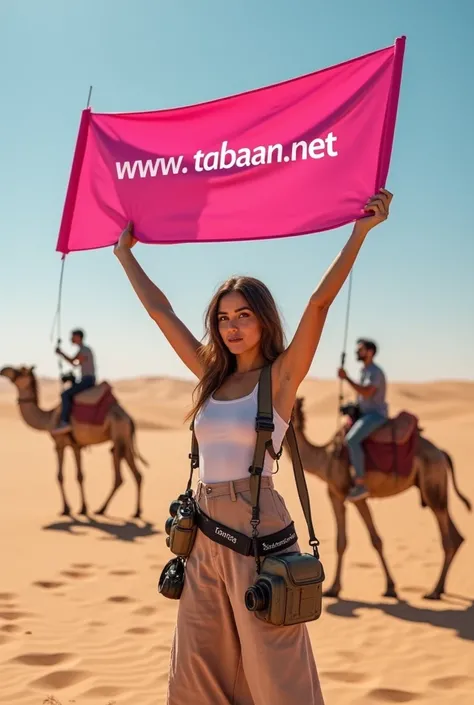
225 431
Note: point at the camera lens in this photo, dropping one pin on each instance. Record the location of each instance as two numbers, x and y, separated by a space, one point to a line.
174 506
186 510
257 597
168 525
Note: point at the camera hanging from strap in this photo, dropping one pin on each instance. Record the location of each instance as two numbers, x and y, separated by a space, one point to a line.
264 427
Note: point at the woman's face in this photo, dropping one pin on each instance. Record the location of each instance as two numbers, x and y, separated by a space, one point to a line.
238 325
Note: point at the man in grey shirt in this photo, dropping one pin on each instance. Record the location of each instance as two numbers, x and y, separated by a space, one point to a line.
371 391
84 358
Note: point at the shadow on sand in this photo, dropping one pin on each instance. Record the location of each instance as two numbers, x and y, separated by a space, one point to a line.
460 620
127 531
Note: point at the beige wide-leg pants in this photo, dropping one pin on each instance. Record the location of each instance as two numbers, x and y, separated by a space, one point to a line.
222 654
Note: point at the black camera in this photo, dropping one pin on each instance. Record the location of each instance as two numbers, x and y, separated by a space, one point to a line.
351 410
288 589
181 526
69 377
171 580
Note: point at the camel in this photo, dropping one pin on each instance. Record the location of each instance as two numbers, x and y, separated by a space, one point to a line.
429 473
117 427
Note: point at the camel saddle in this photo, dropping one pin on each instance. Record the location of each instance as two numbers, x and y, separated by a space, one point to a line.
92 405
397 430
391 447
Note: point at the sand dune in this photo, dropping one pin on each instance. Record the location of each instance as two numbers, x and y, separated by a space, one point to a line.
80 617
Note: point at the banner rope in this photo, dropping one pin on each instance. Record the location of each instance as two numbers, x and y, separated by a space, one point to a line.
340 399
56 326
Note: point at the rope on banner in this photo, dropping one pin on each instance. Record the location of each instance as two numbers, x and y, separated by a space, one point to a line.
56 326
340 399
57 317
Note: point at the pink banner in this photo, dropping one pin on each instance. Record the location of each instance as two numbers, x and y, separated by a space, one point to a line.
289 159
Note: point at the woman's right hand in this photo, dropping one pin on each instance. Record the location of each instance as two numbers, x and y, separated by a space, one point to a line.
126 240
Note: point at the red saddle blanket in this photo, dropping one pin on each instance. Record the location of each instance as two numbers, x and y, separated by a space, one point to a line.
391 448
91 407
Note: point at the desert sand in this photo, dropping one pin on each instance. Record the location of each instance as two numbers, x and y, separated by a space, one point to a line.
80 617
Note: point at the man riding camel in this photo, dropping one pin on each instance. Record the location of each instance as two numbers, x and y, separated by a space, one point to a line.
84 358
371 391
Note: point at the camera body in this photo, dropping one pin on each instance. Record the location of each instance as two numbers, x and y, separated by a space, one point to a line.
68 377
171 580
351 410
181 528
181 525
288 589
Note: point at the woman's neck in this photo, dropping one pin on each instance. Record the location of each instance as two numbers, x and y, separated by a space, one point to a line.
249 362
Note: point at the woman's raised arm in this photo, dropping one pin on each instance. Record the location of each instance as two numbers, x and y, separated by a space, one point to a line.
293 364
185 345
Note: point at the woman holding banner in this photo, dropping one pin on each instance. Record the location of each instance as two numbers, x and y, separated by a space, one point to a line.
221 653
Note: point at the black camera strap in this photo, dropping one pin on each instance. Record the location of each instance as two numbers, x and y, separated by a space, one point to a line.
193 457
241 543
264 427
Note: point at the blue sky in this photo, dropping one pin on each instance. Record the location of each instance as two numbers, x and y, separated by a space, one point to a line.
413 287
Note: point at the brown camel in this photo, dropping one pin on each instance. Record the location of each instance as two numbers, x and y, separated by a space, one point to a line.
429 474
118 427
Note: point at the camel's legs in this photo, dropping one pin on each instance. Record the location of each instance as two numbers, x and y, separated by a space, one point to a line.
452 541
117 454
339 509
434 488
366 514
80 477
130 458
60 454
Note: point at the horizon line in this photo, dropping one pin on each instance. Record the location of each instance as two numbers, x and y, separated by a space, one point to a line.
312 378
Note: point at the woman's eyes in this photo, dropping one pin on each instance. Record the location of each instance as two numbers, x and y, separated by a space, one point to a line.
242 314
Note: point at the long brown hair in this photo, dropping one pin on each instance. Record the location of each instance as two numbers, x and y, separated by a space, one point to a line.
217 360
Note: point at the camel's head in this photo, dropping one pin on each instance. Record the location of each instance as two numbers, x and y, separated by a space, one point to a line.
22 377
297 415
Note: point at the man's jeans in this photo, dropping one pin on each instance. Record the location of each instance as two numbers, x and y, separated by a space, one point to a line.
362 428
86 383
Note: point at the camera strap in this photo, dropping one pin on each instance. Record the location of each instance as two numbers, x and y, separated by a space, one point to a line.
264 427
193 457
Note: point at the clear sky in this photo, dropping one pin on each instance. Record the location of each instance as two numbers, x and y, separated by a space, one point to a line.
413 288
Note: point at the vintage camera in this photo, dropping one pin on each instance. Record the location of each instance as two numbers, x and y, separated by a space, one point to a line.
181 526
350 410
288 589
171 580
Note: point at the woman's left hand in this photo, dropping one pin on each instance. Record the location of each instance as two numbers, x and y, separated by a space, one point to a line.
379 207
